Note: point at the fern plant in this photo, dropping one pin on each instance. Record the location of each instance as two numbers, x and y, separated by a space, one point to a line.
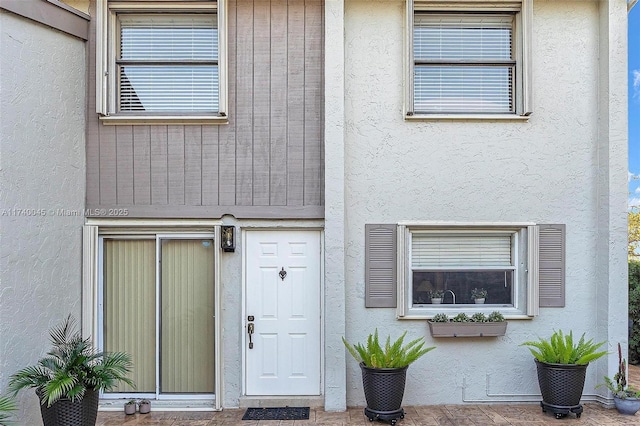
561 349
392 355
7 406
71 368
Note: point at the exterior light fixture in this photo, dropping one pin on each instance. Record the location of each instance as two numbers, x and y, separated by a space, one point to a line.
228 240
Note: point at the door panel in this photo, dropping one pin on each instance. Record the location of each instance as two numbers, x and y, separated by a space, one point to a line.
129 322
283 296
187 320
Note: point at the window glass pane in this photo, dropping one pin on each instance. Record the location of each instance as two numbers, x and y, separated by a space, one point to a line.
168 63
465 250
463 63
451 88
169 88
463 37
166 37
497 283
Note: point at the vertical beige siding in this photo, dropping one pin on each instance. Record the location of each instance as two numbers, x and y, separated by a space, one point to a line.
266 162
129 307
187 317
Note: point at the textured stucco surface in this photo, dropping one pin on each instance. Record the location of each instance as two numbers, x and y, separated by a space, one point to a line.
42 137
547 170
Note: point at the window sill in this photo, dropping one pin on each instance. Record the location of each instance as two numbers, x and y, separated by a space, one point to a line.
508 314
467 329
467 117
162 119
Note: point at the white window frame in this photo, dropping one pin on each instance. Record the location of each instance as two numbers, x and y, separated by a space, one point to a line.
106 84
523 10
525 263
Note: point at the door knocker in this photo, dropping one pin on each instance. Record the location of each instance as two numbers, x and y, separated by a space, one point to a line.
282 274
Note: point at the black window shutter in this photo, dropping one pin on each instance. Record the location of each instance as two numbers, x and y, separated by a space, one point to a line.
380 266
552 265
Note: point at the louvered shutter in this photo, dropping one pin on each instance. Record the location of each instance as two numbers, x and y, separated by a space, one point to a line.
380 266
552 265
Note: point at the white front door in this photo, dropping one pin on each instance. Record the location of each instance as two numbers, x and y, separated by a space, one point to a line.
282 298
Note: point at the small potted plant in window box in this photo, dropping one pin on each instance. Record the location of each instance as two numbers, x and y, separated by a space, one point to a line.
144 406
626 399
436 296
384 372
130 407
479 295
463 325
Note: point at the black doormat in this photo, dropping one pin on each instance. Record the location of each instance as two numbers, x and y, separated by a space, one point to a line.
279 413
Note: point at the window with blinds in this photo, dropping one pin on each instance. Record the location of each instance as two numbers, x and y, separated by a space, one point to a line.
452 266
167 63
464 63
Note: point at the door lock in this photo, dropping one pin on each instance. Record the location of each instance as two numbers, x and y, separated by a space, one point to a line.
250 328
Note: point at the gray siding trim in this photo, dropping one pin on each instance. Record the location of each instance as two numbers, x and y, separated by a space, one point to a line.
51 14
269 158
380 266
239 212
552 265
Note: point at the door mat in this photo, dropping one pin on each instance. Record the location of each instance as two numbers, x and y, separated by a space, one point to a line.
279 413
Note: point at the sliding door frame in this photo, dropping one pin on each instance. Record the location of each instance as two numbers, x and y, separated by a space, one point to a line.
159 234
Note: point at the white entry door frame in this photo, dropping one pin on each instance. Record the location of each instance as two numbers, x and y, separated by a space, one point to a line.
282 306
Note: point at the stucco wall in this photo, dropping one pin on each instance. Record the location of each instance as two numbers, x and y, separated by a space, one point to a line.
544 171
42 137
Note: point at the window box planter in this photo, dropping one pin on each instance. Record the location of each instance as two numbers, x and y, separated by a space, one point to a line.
467 329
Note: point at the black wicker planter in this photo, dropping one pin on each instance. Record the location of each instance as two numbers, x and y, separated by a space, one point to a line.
71 413
384 390
561 386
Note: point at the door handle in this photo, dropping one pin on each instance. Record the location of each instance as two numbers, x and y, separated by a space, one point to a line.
250 328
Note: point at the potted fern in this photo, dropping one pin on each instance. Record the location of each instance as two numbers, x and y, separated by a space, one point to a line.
626 399
384 372
562 363
68 379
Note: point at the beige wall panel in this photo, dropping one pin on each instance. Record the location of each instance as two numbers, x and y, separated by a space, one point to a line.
278 105
124 165
295 105
142 165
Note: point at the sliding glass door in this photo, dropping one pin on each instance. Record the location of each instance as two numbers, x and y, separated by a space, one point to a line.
157 300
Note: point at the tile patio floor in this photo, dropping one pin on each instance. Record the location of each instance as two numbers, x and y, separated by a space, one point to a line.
437 415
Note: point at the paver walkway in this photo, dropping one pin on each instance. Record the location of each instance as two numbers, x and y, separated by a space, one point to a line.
437 415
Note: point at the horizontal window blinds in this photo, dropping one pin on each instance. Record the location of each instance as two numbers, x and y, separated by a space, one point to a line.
167 37
168 63
463 63
468 251
460 37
